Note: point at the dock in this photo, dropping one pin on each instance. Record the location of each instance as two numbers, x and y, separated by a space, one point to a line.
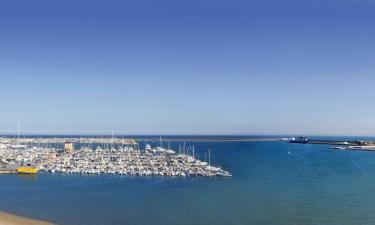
7 171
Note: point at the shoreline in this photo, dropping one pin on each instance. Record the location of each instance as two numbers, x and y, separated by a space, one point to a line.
12 219
207 139
7 172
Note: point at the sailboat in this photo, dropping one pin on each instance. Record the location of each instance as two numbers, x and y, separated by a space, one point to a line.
18 145
215 169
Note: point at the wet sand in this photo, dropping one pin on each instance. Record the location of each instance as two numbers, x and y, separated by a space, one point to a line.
9 219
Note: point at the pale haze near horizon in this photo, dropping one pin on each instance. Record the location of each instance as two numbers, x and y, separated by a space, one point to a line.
188 67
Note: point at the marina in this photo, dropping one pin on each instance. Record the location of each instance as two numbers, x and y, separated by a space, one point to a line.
102 156
243 112
129 161
311 180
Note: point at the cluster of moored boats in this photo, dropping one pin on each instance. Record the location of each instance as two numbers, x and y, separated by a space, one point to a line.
130 161
22 156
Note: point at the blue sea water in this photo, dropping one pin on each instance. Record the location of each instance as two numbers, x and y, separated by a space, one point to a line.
273 183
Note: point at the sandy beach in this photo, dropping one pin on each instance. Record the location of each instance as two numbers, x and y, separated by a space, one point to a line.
9 219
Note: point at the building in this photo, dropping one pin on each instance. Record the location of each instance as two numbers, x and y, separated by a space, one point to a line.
51 156
68 147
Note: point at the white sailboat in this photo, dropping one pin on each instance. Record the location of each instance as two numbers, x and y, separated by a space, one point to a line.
18 145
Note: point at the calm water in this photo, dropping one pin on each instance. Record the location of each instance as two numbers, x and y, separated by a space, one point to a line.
272 183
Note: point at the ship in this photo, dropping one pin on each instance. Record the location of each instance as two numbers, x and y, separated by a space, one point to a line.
27 170
300 140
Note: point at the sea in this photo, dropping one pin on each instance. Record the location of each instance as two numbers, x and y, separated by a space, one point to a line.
273 183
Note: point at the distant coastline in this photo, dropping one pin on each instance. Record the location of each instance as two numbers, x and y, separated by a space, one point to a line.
11 219
131 139
213 139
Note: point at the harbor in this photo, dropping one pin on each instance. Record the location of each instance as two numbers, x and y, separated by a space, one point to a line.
115 156
267 176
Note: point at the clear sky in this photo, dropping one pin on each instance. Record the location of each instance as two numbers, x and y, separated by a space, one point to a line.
188 66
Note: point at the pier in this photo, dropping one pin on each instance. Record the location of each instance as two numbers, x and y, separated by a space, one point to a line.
355 145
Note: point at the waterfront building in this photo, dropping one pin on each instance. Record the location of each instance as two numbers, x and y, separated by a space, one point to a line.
51 156
68 147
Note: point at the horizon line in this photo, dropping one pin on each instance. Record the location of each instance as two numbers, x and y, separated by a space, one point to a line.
185 134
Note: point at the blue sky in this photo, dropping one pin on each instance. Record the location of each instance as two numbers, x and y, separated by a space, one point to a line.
187 67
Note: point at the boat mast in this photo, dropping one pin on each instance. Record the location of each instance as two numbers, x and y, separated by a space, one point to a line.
18 133
209 157
112 141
